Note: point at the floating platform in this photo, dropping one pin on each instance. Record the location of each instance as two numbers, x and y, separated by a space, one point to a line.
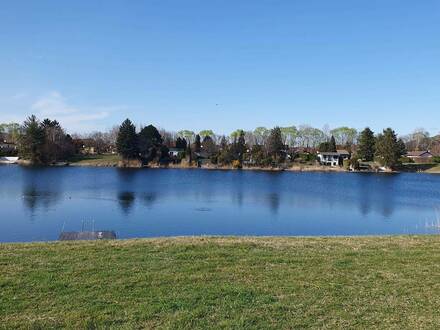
86 235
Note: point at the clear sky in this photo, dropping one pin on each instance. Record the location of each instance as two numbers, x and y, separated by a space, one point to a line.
222 64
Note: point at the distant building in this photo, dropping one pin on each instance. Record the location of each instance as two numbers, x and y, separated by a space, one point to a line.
423 156
333 158
6 145
174 152
85 146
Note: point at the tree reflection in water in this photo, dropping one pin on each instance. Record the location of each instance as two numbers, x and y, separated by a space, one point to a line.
126 200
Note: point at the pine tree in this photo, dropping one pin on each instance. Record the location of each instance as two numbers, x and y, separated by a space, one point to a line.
126 142
32 140
367 145
332 144
197 144
149 142
275 143
223 143
389 149
324 147
239 147
180 143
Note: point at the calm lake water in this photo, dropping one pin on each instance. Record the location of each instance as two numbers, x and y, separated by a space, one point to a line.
36 203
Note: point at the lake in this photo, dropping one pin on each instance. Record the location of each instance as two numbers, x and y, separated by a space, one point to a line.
37 203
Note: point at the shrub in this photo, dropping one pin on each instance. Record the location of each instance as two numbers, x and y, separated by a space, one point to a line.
236 163
214 159
307 157
355 163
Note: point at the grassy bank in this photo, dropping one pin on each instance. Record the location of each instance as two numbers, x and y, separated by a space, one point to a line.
435 169
95 160
358 282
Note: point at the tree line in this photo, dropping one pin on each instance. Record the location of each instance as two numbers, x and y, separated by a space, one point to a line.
269 147
41 142
46 141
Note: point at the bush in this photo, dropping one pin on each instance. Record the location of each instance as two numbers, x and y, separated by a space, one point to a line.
267 161
355 163
436 159
236 163
307 157
214 159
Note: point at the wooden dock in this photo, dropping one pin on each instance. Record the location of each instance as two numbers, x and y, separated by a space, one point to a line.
86 235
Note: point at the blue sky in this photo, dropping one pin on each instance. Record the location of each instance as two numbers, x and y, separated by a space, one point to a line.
222 65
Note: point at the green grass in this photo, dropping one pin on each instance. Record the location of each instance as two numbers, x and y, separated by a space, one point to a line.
435 169
283 283
95 160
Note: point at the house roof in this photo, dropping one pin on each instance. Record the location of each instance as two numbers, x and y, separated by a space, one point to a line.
418 153
337 153
328 153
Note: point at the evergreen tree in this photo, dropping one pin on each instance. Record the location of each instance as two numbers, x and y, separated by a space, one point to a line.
189 153
366 145
149 142
389 149
329 146
239 146
32 140
324 147
164 153
181 143
332 144
223 143
401 148
197 144
275 143
55 143
126 142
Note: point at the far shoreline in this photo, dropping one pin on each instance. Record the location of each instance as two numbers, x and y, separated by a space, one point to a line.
294 169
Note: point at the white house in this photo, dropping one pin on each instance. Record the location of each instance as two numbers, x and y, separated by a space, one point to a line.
333 158
174 152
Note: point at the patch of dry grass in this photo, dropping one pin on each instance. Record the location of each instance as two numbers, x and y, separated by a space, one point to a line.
95 160
435 169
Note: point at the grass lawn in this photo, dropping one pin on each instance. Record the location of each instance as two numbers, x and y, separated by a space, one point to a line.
435 169
95 160
358 282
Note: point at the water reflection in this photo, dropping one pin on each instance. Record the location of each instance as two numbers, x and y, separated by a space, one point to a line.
370 198
274 202
387 195
39 189
148 199
126 200
364 194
